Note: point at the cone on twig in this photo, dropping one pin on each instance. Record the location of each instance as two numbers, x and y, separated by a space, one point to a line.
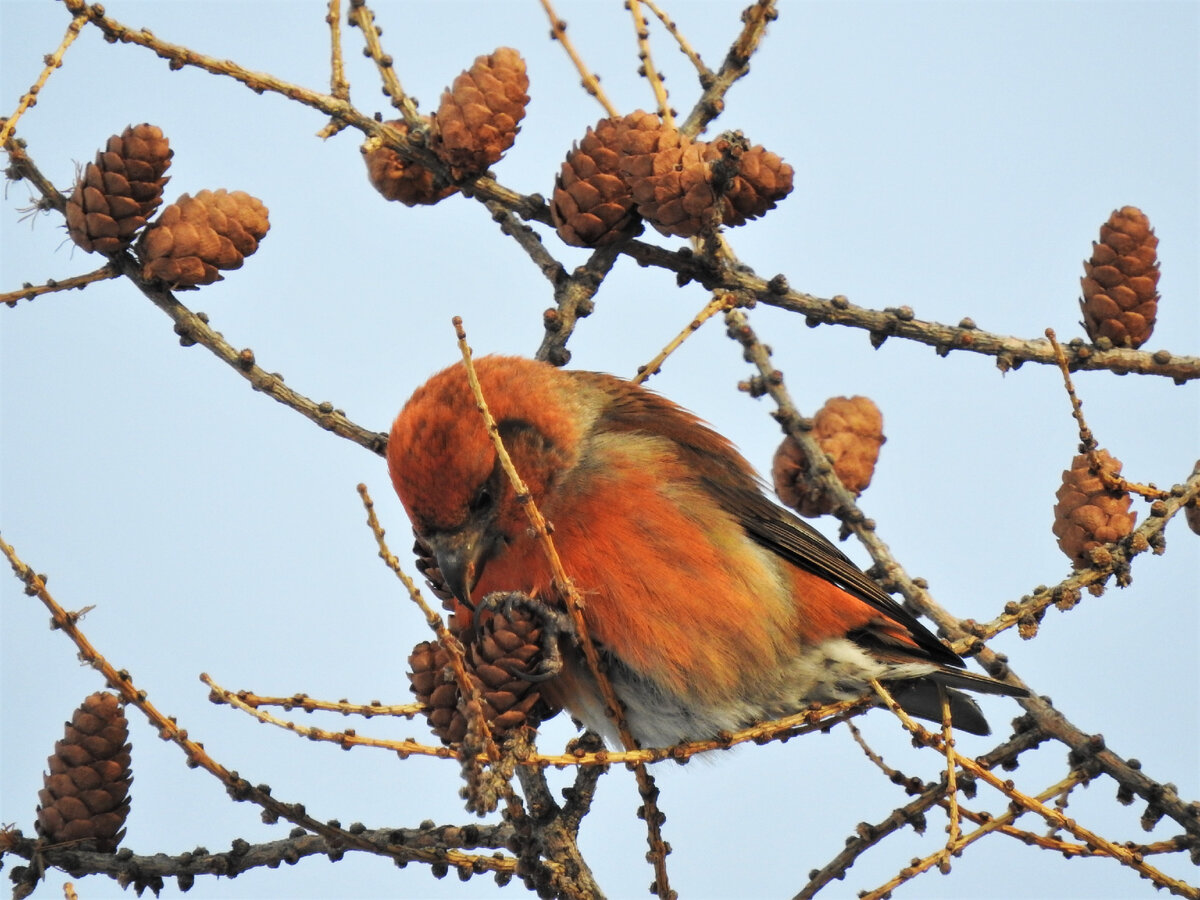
509 644
480 112
592 205
194 237
119 192
1087 514
850 431
1120 284
398 179
755 179
683 187
86 795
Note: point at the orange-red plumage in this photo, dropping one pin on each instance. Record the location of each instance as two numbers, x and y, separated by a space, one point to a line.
713 606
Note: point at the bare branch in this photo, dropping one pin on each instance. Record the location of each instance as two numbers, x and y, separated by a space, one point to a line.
53 61
79 282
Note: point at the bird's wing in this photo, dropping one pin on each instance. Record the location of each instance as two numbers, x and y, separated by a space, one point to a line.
725 474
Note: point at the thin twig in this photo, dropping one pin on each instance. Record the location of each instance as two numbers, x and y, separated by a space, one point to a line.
705 73
53 61
575 605
573 297
454 649
344 739
311 704
77 282
954 829
194 328
647 69
1065 594
197 757
1087 441
719 303
1000 824
867 836
529 240
362 16
736 64
23 166
820 718
129 868
338 85
1121 854
590 82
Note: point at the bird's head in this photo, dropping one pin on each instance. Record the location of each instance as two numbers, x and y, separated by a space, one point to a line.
446 471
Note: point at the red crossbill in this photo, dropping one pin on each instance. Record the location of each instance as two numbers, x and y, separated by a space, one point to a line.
712 606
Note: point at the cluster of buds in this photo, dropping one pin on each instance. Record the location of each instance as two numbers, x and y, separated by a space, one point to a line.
637 167
850 432
476 122
190 240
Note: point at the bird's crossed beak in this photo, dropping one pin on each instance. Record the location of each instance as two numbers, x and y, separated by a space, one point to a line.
461 556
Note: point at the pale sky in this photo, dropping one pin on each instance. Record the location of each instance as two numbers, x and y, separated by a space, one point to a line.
955 157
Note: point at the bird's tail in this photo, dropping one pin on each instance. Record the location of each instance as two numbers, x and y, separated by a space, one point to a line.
920 697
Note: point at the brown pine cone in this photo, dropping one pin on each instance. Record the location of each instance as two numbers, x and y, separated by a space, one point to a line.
1120 287
119 192
86 794
592 205
196 236
1087 514
850 431
676 182
1192 513
478 117
760 178
671 181
508 642
638 138
397 179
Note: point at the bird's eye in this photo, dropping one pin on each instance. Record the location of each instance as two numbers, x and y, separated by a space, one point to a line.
481 501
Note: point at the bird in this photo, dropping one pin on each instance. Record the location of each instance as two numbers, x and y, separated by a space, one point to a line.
711 606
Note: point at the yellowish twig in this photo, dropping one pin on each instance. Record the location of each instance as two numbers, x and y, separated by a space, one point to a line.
955 826
647 68
1087 440
705 73
121 682
575 604
338 85
719 303
311 704
53 61
29 291
454 649
591 83
345 739
561 580
364 18
817 719
1000 823
1121 854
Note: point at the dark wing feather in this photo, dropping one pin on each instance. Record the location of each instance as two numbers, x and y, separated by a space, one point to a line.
725 474
802 545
